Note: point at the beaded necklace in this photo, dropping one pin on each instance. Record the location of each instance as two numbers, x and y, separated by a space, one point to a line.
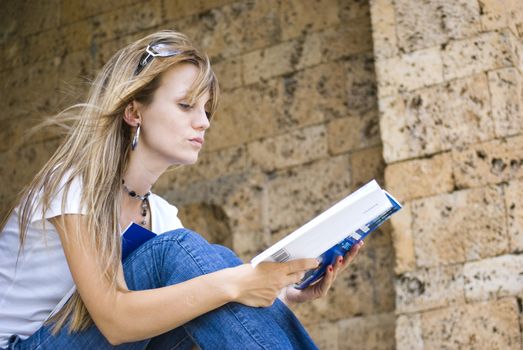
145 202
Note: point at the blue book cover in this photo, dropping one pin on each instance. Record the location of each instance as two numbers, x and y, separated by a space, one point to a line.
133 237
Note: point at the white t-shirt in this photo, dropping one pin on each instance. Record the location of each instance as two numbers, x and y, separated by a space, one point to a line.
42 283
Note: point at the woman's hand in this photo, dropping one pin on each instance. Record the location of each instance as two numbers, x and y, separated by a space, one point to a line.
261 285
320 289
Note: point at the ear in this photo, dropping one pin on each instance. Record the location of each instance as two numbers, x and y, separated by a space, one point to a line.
131 115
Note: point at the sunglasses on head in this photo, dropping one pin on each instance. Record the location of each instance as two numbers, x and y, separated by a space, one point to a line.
155 50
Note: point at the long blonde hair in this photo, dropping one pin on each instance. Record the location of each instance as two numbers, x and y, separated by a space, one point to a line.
96 150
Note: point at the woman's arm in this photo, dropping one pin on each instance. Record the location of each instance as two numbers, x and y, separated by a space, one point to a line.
125 316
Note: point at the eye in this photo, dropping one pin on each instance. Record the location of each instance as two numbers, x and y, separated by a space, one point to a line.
184 106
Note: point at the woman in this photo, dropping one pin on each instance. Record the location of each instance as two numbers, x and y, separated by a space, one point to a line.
63 284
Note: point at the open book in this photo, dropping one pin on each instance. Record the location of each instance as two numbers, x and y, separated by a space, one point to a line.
334 232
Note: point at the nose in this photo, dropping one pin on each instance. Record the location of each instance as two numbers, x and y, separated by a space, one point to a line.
201 122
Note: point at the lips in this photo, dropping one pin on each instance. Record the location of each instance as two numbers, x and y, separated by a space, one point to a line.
198 140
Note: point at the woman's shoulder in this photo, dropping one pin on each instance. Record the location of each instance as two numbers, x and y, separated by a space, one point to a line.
162 204
165 215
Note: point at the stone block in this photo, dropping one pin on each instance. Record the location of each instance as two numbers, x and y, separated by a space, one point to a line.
325 334
19 99
494 15
299 17
354 9
73 11
513 194
374 332
488 163
383 19
126 20
429 288
290 149
229 73
175 9
309 50
484 52
441 21
366 164
210 165
297 195
418 178
30 17
19 166
506 93
365 288
249 244
402 240
408 332
13 53
488 325
210 221
241 197
234 28
409 72
458 227
361 86
16 132
323 90
237 122
353 133
493 278
436 119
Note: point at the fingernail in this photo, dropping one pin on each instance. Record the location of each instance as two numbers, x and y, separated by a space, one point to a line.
330 268
340 260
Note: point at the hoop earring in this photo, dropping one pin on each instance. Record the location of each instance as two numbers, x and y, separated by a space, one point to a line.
135 138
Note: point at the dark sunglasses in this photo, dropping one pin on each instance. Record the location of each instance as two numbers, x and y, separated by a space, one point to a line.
155 50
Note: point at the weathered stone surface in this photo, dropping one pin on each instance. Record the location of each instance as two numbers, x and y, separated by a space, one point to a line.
361 86
28 159
426 24
493 14
18 132
208 220
297 195
229 73
322 86
354 9
210 165
506 92
409 72
294 148
363 289
429 288
374 332
408 332
248 244
493 278
488 163
72 11
175 9
402 240
325 334
420 177
383 29
308 50
487 51
353 133
513 195
461 226
239 195
298 17
436 119
490 325
13 49
234 28
22 18
366 165
18 99
127 20
237 122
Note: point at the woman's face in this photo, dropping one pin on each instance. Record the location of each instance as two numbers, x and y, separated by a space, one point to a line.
172 130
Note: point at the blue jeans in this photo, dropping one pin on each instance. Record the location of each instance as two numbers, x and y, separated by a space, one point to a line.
171 258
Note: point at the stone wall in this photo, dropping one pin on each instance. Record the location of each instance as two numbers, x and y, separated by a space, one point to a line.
450 91
298 126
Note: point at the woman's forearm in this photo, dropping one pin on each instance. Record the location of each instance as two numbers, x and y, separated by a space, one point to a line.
144 314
